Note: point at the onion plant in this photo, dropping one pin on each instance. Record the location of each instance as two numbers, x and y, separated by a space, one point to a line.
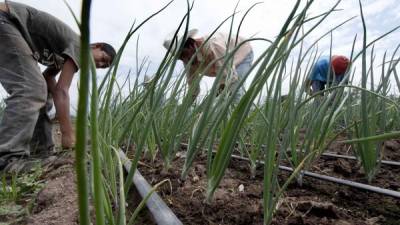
81 121
106 169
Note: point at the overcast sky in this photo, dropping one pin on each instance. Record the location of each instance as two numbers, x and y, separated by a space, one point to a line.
111 21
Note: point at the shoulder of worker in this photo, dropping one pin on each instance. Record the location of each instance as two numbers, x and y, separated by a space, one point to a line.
221 37
320 69
44 30
19 8
323 61
222 41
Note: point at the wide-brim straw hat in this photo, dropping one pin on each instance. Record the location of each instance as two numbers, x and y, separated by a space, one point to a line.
169 39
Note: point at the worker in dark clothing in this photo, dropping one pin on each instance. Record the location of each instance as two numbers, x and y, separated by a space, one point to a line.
28 37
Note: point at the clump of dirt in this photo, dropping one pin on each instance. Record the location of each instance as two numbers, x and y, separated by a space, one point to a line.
392 150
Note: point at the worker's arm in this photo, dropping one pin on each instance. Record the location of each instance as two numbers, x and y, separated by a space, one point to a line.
192 78
60 92
309 79
50 76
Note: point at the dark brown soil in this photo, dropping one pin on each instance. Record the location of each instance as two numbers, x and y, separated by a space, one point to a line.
133 199
315 202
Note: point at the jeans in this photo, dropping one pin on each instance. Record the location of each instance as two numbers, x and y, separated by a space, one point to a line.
318 85
28 100
241 70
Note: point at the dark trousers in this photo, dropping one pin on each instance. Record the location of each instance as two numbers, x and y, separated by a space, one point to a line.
318 85
26 106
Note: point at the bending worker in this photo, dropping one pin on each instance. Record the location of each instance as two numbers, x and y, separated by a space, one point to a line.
319 75
28 37
210 59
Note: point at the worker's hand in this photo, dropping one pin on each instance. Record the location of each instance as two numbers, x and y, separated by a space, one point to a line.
67 141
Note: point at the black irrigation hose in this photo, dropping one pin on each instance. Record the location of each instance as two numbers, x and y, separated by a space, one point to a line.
334 155
349 183
386 162
161 213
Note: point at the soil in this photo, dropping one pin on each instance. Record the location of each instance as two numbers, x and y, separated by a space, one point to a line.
133 199
56 203
238 200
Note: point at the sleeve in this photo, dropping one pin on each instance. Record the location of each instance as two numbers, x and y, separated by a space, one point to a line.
73 52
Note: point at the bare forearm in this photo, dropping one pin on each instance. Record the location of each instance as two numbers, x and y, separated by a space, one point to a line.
61 102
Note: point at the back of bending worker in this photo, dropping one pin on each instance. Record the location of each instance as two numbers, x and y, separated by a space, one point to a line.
28 37
209 59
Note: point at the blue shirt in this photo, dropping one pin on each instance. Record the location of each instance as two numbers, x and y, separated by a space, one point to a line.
320 69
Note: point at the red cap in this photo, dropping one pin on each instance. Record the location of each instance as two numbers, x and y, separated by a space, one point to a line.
340 64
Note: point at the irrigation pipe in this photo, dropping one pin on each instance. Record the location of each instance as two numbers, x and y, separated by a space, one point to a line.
161 213
334 155
349 183
386 162
350 157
